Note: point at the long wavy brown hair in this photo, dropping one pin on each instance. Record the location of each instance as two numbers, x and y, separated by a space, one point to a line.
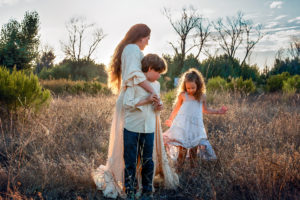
192 75
135 33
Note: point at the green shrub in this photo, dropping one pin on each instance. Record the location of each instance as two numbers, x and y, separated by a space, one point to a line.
216 84
275 82
291 85
64 86
19 90
169 97
242 86
81 70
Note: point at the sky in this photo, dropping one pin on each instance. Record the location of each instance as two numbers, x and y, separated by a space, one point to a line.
280 20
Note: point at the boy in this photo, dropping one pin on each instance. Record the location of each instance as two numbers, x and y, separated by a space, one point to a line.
139 127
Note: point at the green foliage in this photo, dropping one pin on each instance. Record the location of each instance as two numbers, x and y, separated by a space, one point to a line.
19 42
45 60
169 97
291 66
291 85
216 84
275 82
19 90
64 86
174 69
226 67
222 66
76 70
173 66
250 72
242 86
190 62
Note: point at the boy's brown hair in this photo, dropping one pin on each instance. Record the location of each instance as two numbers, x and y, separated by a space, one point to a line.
153 61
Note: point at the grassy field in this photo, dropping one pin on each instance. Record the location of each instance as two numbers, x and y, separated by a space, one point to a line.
51 155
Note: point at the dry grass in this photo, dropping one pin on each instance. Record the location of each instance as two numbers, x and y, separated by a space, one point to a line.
257 142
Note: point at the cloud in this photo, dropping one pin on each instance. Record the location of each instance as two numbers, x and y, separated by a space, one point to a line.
208 12
12 2
280 17
278 37
8 2
272 24
276 4
279 29
297 20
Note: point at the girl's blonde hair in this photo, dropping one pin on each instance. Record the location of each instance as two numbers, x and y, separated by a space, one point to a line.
192 75
134 34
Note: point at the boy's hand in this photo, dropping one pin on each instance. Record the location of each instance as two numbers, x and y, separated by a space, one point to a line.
158 107
168 122
153 97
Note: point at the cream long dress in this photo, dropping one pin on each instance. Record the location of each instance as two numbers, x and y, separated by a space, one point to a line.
110 177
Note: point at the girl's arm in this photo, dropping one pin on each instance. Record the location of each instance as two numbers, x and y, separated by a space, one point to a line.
207 110
175 110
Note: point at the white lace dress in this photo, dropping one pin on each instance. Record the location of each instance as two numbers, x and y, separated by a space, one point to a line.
188 131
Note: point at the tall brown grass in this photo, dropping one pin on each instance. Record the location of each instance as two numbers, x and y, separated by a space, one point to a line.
51 155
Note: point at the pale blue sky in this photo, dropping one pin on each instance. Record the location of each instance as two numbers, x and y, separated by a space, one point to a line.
281 19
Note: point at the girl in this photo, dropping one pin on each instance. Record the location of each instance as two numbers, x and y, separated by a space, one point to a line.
186 122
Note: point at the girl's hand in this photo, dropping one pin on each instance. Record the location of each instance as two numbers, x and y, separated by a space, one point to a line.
168 122
223 110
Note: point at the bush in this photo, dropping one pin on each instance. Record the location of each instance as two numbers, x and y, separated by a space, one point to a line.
275 82
82 70
169 97
291 85
240 85
19 90
64 86
216 84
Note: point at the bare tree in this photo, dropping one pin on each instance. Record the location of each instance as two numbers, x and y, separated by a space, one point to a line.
280 54
253 36
183 27
77 29
294 49
230 33
203 32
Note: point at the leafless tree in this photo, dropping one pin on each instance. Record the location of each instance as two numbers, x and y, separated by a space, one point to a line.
183 27
202 34
253 35
230 33
280 54
294 49
77 29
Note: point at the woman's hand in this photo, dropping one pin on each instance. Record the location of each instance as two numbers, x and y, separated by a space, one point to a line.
168 122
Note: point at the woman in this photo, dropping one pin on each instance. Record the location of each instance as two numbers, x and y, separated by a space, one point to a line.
125 71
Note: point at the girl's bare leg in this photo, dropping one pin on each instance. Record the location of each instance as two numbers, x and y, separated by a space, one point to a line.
181 157
193 157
